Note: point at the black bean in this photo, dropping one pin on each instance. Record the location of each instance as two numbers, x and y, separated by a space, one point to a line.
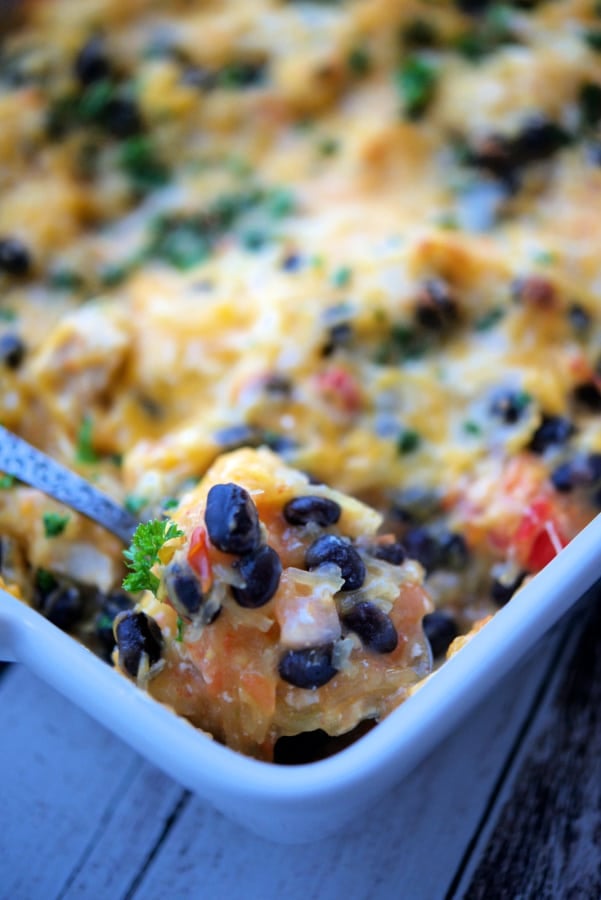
92 62
538 139
441 630
121 117
183 589
136 634
329 548
509 406
579 318
393 553
308 668
339 335
261 573
312 508
292 263
109 605
63 606
232 519
552 431
502 591
12 350
581 471
276 384
453 552
493 155
588 396
14 257
421 545
374 627
436 308
436 550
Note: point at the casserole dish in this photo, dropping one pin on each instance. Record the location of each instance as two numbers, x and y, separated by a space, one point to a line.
340 244
307 802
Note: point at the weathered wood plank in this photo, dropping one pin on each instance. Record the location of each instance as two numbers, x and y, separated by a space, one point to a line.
543 838
83 816
77 804
407 847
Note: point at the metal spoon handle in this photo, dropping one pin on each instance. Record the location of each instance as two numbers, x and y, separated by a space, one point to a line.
22 461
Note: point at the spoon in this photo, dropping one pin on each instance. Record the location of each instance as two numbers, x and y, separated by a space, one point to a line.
33 467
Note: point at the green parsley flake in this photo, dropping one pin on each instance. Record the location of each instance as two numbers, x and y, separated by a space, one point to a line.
54 524
143 553
180 630
84 451
416 83
7 481
342 277
408 442
472 428
134 504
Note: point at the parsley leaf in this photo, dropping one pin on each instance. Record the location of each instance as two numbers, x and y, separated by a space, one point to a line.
54 524
85 452
143 553
416 84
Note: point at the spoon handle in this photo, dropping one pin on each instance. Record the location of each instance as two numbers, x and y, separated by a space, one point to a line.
22 461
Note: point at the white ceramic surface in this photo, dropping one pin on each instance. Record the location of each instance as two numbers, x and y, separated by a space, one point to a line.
302 803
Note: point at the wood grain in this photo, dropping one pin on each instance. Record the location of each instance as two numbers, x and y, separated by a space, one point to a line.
82 816
544 837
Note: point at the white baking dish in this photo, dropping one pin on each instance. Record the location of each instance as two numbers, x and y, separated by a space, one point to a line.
301 803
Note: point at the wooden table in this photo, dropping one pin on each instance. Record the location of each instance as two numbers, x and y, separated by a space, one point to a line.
508 807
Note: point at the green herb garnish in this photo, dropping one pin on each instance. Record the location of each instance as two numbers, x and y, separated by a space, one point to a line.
143 553
84 451
54 524
408 441
180 630
342 277
359 61
7 481
134 504
593 39
416 83
139 161
472 428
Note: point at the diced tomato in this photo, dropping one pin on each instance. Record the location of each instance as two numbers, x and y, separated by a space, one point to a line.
339 383
539 538
198 557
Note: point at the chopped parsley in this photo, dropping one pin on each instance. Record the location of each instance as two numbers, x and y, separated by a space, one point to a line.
45 580
143 553
489 319
7 481
180 630
408 441
134 504
342 277
593 39
84 450
139 160
589 100
472 428
416 83
54 524
359 61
